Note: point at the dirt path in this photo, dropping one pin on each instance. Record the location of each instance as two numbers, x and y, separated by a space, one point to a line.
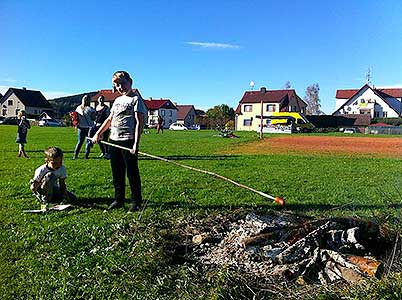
367 146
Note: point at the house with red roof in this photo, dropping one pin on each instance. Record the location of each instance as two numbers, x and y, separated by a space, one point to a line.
249 106
33 102
186 115
161 107
368 100
110 96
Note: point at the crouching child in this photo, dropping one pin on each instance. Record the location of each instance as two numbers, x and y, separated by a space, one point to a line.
49 181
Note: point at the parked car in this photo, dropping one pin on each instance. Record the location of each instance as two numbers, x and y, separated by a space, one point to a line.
177 126
194 127
49 122
9 121
351 130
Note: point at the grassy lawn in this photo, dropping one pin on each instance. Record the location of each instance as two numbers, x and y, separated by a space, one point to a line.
86 253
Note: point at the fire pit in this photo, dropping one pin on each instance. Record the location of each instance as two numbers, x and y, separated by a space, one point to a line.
292 247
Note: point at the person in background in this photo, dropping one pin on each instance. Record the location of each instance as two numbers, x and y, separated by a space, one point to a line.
86 117
48 183
102 112
126 120
23 126
159 126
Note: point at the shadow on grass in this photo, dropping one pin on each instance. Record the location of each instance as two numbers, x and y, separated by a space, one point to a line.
289 207
192 157
95 203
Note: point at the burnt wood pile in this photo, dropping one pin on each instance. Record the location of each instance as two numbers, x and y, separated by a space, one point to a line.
294 248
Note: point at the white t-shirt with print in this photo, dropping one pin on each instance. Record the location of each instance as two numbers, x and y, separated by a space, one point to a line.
86 117
123 119
60 173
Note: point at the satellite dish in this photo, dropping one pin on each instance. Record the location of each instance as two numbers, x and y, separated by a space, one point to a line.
252 84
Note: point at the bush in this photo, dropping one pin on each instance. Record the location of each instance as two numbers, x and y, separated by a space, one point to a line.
230 125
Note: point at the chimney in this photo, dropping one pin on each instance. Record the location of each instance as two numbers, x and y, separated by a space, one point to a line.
263 90
150 98
24 88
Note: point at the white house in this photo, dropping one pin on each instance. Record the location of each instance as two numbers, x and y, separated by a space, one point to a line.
249 106
376 102
161 107
33 102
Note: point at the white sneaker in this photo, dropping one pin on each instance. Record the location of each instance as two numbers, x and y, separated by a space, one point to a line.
101 155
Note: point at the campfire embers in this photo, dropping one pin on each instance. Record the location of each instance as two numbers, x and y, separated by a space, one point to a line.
295 248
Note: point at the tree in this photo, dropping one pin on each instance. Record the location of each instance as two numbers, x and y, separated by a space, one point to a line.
312 99
287 85
219 115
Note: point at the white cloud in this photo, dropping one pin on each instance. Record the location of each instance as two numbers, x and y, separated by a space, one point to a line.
392 86
54 94
3 89
212 45
8 80
47 94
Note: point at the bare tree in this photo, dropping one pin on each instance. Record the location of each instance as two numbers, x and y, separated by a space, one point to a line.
312 99
287 85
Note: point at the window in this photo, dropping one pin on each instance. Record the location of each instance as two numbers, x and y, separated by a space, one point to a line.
362 101
246 122
10 102
248 108
163 112
385 114
171 114
270 107
376 114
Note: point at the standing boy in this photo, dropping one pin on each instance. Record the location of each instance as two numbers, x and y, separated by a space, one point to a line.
125 121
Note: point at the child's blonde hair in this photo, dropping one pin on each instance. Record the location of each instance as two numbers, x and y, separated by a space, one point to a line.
121 74
53 152
20 114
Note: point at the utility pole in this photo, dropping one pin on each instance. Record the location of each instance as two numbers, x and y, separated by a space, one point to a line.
263 90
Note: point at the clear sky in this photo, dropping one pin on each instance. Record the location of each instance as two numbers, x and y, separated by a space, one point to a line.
203 53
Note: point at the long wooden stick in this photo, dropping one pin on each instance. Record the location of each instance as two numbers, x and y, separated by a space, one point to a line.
278 200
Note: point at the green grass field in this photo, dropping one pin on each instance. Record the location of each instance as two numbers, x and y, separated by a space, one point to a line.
86 253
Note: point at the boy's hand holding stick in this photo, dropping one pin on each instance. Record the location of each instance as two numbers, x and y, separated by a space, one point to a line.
96 138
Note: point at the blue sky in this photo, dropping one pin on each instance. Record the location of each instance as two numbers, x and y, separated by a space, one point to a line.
200 52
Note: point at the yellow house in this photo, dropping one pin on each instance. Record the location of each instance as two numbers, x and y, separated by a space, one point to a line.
249 109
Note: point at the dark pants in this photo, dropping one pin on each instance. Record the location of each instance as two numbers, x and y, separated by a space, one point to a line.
122 162
82 137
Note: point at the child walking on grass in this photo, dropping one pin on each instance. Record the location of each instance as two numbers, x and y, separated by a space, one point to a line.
126 120
48 183
23 126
